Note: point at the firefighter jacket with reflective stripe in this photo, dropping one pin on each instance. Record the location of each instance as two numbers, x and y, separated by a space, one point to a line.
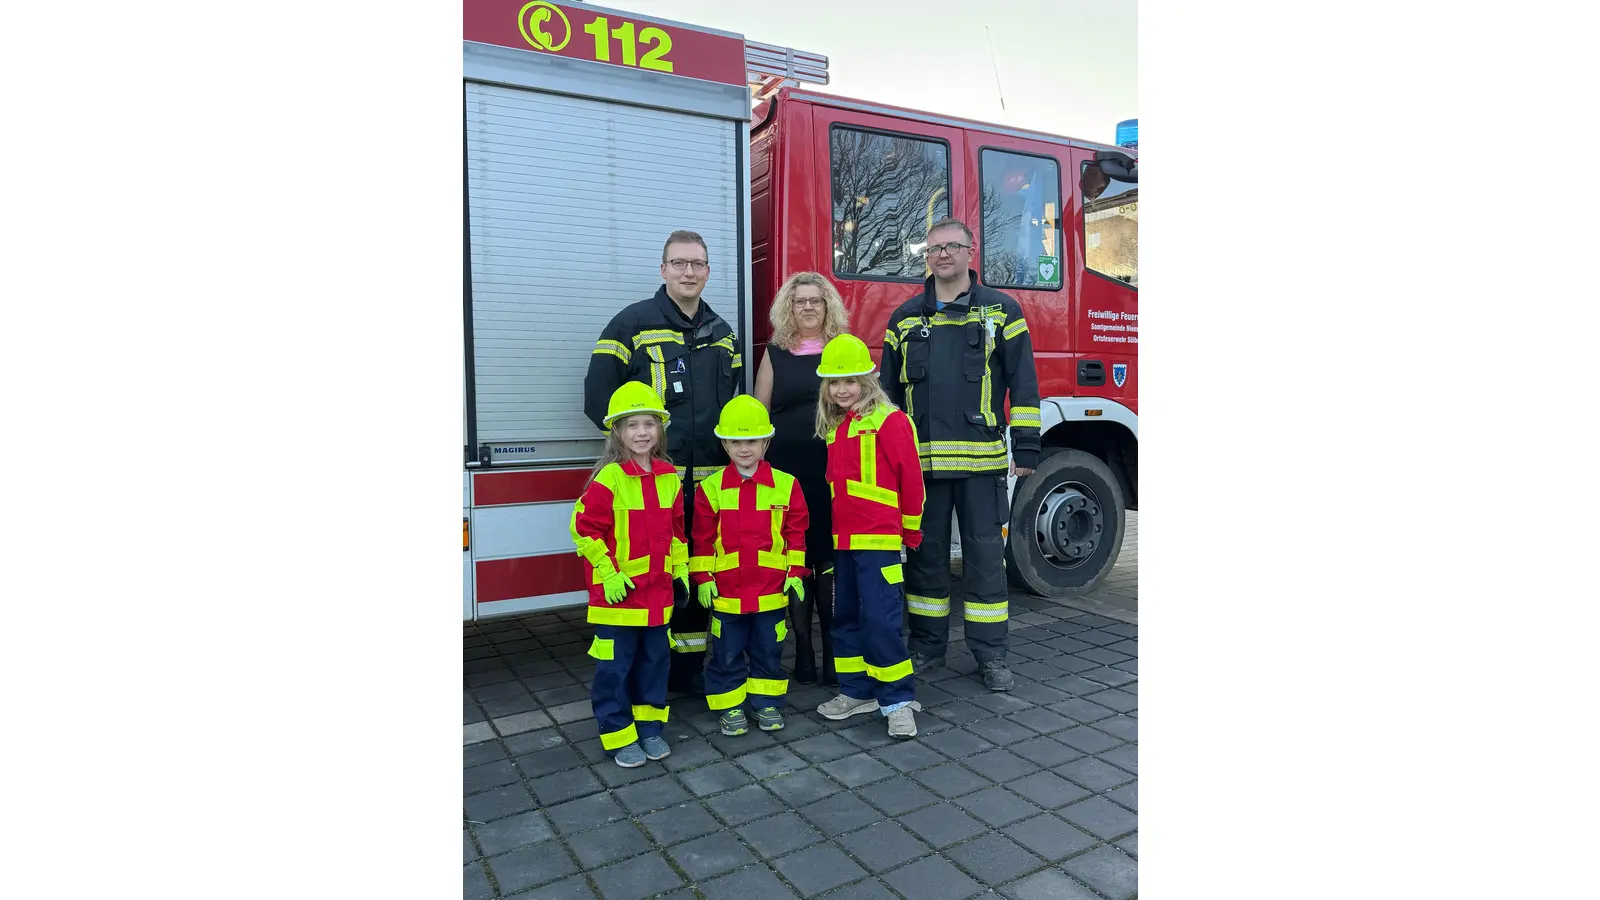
631 521
693 365
752 532
950 369
874 479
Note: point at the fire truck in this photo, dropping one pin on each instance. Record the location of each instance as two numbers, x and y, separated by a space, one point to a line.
590 134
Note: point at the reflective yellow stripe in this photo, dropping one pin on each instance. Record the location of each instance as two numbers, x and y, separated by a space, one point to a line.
658 372
688 641
622 737
650 713
782 628
603 649
958 464
767 687
766 559
613 348
797 558
621 615
635 567
890 339
701 563
871 542
966 448
1025 417
849 664
764 603
701 473
985 612
657 336
891 673
726 701
716 626
1020 326
869 459
935 607
738 361
911 523
893 574
872 492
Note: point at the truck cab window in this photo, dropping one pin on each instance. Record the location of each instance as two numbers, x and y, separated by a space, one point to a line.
1110 225
1020 238
887 190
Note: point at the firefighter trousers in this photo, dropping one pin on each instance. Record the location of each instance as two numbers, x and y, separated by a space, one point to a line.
629 692
981 505
746 660
690 622
868 609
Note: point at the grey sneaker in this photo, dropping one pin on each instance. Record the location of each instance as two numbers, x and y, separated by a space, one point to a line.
902 724
733 723
655 747
997 676
842 707
922 663
769 719
630 757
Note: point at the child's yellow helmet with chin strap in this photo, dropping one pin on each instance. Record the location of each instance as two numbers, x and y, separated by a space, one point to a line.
635 398
744 419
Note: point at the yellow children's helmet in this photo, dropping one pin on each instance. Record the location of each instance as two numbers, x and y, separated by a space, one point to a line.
744 419
844 357
634 398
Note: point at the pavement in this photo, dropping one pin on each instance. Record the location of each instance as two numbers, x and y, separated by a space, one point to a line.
1028 795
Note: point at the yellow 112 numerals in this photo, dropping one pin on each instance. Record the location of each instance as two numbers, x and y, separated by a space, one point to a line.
658 42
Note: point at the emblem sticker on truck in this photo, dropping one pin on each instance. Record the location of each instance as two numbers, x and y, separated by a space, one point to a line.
1119 373
1047 270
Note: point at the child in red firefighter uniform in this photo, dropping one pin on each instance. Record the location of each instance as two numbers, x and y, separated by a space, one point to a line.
628 527
750 551
875 478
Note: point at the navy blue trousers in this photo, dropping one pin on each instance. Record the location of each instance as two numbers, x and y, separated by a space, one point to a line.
747 660
868 611
629 692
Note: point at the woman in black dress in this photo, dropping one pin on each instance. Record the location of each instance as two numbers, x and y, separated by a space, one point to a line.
806 314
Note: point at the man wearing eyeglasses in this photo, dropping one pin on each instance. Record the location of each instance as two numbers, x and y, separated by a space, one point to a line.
950 355
676 343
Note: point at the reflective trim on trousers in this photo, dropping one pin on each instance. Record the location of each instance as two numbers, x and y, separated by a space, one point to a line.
620 738
938 607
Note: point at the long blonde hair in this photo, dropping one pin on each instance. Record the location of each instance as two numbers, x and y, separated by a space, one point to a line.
830 414
615 451
785 332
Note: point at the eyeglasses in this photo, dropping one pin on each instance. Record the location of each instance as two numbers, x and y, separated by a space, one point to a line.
802 302
679 265
952 247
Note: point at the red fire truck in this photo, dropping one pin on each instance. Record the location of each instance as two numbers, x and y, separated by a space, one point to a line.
590 134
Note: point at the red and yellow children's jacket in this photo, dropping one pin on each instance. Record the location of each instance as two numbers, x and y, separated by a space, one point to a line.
755 530
875 479
631 521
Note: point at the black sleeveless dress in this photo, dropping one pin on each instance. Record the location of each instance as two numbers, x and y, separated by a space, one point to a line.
797 450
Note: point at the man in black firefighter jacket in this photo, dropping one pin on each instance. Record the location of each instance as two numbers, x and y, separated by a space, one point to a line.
678 345
950 355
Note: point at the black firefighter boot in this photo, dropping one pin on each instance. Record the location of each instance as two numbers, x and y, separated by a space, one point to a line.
824 603
805 662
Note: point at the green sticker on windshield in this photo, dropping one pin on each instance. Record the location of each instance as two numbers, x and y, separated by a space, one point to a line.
1048 269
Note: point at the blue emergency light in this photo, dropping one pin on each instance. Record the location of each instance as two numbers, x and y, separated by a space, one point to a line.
1128 134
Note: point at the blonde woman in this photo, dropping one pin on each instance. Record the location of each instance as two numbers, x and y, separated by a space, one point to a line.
806 314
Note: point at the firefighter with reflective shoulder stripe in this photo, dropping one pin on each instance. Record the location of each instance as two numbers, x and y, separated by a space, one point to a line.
951 354
750 553
877 508
628 527
678 345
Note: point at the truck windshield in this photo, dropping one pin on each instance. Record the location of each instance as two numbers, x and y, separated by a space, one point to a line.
887 190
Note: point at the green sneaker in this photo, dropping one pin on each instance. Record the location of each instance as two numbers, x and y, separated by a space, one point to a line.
769 719
733 723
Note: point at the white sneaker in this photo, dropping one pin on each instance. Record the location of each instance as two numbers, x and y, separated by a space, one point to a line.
902 724
842 707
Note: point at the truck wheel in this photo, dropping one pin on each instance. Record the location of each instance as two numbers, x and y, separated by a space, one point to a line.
1066 526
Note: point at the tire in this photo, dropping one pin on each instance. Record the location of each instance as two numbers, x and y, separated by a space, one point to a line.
1075 494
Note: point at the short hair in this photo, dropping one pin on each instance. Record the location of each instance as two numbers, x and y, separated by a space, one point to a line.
951 222
684 237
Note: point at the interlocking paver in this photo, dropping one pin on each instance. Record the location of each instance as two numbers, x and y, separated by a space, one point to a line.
634 879
477 883
1082 710
840 813
908 756
589 812
744 805
1086 739
961 712
1001 732
509 834
1112 676
1124 757
823 748
957 743
1130 844
1107 870
531 866
771 761
507 707
488 775
531 742
608 844
714 778
992 859
1115 698
691 753
943 824
898 795
648 796
498 803
873 734
1094 774
882 846
1048 790
951 780
1000 765
1100 817
857 770
997 806
1051 884
574 887
711 855
777 835
932 878
482 752
477 732
1050 837
559 787
680 823
870 889
802 787
756 881
1127 795
818 869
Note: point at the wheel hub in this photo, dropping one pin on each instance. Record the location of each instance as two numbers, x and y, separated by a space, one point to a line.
1069 525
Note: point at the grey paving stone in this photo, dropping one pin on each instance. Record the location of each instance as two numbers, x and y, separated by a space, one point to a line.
1099 637
1068 644
608 844
1130 844
962 712
1048 790
476 732
1073 665
642 876
575 711
714 778
681 823
796 727
651 795
498 803
992 859
1124 757
531 742
1101 818
931 695
480 753
1086 739
823 748
469 850
1051 884
950 780
1050 837
1117 699
1131 667
870 889
1047 752
932 878
547 681
614 776
1107 870
583 731
690 754
1039 670
956 743
519 723
745 804
997 806
1000 765
908 756
752 741
840 813
965 688
770 762
508 834
943 824
500 710
531 866
1001 703
477 883
1127 795
710 856
1081 710
547 762
471 715
488 775
1041 720
747 884
1095 775
589 812
1125 646
800 788
873 732
559 787
1038 694
542 667
882 846
818 869
575 887
777 835
898 795
857 770
1077 685
1001 732
559 695
1115 676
